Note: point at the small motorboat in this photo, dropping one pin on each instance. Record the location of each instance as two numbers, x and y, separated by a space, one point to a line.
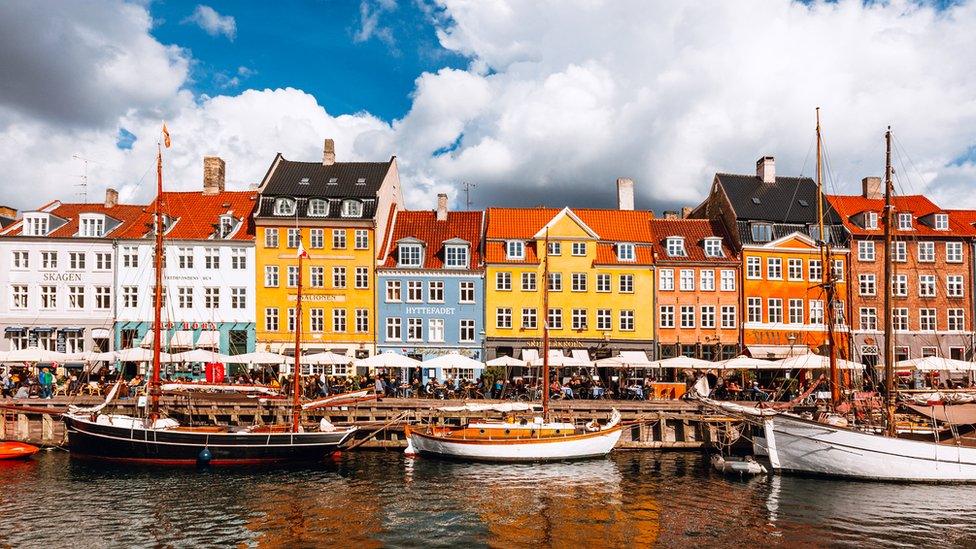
17 450
737 465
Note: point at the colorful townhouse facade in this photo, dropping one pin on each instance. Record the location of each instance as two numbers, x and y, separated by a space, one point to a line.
340 212
208 274
600 284
697 291
774 223
430 285
932 283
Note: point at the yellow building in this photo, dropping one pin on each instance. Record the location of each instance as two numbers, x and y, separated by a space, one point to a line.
340 211
600 281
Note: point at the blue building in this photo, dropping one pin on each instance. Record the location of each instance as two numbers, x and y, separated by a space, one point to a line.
430 288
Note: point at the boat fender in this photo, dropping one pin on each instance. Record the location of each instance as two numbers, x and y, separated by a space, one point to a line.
410 451
836 421
204 457
593 426
326 426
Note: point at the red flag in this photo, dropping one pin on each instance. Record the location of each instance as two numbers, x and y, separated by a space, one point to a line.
301 250
166 140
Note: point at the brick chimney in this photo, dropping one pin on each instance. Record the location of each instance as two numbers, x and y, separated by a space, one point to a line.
871 187
670 214
442 207
766 169
328 153
685 212
111 198
213 174
625 193
7 211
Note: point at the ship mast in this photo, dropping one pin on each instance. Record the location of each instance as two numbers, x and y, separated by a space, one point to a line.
154 384
827 274
296 409
889 336
545 329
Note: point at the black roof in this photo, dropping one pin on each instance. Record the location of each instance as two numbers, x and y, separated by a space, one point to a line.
286 179
6 221
836 233
266 208
788 200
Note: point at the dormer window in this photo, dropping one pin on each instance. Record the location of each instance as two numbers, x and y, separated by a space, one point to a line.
303 181
410 255
904 221
713 247
352 208
814 232
226 226
515 249
91 225
762 232
333 181
318 207
625 252
676 246
284 206
361 181
456 256
942 222
870 220
36 225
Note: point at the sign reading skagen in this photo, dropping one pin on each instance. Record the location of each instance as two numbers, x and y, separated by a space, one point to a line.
318 298
430 310
62 277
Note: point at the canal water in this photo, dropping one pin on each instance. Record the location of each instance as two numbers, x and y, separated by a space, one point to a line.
380 499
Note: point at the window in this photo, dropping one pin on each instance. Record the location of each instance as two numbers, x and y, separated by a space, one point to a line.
675 246
74 342
626 321
604 321
954 287
528 282
754 309
762 232
415 291
49 260
706 280
435 330
503 317
555 282
49 297
871 220
666 315
316 276
926 285
815 270
35 225
76 297
579 319
687 280
211 298
753 268
318 207
954 252
839 318
625 252
271 238
926 252
362 239
899 252
291 319
185 295
529 319
869 318
467 331
904 221
211 258
456 257
292 275
899 285
957 320
466 292
503 281
555 319
579 249
926 320
338 239
838 269
435 291
794 269
687 316
795 311
76 260
941 222
338 320
270 276
294 237
316 320
184 258
338 277
362 321
713 247
579 282
284 206
352 208
393 329
18 296
410 255
362 278
816 311
626 284
238 298
929 351
865 250
867 284
775 310
554 248
316 238
130 297
707 313
728 317
515 249
900 318
238 258
603 282
728 280
20 260
774 268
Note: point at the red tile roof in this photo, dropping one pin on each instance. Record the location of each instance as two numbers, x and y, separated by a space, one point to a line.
606 254
424 226
196 214
610 225
127 214
849 206
694 232
495 253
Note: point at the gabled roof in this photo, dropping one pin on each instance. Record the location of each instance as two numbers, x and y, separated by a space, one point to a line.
423 226
565 212
125 214
849 206
788 200
195 215
610 225
694 232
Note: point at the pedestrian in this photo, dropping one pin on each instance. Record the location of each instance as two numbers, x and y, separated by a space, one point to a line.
47 380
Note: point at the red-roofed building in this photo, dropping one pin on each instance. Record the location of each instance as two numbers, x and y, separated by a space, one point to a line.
697 294
932 285
58 275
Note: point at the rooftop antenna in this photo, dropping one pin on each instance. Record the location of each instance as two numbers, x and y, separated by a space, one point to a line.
83 193
467 193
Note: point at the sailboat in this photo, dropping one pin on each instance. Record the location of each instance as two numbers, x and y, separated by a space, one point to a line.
538 439
796 444
159 440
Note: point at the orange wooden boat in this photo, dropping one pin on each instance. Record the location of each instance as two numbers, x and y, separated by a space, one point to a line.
17 450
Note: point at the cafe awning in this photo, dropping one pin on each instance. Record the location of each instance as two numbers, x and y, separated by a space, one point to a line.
209 339
768 352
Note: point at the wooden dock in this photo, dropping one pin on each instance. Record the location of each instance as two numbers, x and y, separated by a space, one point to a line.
654 424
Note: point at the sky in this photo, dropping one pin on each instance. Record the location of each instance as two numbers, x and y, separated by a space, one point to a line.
544 102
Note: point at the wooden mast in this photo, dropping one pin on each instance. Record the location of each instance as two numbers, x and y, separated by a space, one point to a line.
296 409
827 274
545 329
889 336
154 383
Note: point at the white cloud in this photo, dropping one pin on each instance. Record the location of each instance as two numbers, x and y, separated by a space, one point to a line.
212 22
369 24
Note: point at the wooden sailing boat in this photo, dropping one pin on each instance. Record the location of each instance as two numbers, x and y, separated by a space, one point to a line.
157 440
538 439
